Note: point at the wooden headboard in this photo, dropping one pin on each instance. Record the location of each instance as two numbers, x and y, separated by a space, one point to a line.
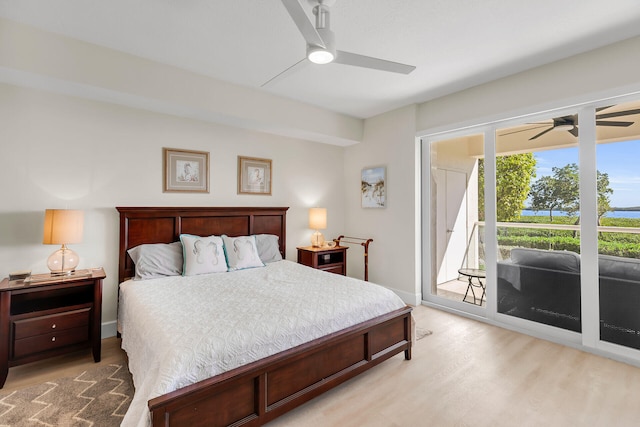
139 225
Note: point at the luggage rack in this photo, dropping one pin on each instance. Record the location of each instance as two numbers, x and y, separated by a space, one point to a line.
358 241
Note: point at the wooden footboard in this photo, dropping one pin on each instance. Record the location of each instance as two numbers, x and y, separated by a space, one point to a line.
257 393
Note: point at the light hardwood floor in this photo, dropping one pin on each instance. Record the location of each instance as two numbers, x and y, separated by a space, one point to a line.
63 366
466 373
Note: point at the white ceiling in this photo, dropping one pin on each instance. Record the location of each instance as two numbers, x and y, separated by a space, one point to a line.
454 44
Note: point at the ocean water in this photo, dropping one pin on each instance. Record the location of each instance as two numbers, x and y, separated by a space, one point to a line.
612 214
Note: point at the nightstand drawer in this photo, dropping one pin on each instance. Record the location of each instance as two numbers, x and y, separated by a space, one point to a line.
333 260
37 344
35 326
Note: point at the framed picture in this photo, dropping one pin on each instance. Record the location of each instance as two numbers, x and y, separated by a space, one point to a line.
185 171
374 187
254 176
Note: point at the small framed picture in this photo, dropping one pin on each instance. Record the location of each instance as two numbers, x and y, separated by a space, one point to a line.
254 176
185 171
374 187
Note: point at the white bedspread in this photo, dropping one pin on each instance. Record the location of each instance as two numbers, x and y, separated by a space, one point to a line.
180 330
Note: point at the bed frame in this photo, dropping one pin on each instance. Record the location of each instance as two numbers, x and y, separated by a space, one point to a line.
255 394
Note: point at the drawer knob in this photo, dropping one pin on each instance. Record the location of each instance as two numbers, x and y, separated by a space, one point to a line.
53 339
53 326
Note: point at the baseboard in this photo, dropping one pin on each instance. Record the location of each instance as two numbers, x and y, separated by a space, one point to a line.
109 329
408 298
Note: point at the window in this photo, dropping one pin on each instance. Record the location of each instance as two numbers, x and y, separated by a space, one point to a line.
617 153
458 235
565 190
538 213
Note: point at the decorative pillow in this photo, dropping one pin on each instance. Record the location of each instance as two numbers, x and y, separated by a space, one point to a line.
268 249
241 252
157 260
203 255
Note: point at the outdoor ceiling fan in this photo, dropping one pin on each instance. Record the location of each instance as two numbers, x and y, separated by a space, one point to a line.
320 40
570 123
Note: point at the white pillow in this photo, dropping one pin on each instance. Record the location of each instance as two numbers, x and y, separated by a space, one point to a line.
203 255
241 252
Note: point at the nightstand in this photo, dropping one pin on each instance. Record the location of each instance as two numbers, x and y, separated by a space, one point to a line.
44 316
333 260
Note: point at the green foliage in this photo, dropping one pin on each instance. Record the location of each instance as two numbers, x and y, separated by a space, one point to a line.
544 196
558 192
620 222
604 194
562 192
609 243
513 181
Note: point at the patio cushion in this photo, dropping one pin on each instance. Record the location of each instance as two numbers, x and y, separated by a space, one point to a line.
552 260
619 267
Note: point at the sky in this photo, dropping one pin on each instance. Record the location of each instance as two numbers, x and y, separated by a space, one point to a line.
620 160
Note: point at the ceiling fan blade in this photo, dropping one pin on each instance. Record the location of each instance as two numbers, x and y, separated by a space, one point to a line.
348 58
608 123
574 131
617 114
524 130
303 23
292 69
541 133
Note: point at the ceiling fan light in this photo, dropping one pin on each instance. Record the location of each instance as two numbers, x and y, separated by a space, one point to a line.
563 127
318 55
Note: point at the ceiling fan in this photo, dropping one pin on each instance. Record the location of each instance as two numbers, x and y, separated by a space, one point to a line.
570 123
321 42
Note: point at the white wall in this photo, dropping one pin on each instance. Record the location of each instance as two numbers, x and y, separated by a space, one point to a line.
389 140
40 59
63 152
601 73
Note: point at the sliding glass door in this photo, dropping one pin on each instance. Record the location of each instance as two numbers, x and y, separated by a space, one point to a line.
538 217
617 153
535 222
458 262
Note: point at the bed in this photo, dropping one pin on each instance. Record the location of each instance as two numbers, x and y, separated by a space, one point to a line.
253 393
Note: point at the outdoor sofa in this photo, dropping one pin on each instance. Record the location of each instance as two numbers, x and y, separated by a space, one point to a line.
544 286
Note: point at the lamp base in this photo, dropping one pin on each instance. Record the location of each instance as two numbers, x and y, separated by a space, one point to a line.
317 239
63 261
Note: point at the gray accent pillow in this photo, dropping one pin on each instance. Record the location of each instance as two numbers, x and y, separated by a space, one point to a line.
157 260
268 249
552 260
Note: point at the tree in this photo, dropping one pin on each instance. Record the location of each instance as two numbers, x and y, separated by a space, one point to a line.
562 192
544 196
604 193
513 181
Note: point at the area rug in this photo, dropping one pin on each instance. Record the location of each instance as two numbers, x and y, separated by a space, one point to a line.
97 397
422 332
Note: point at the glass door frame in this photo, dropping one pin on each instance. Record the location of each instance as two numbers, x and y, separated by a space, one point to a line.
589 338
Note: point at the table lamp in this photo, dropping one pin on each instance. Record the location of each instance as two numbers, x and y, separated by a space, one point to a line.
62 227
317 221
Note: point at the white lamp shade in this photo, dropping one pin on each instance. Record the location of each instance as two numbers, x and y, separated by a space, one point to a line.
62 226
317 218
